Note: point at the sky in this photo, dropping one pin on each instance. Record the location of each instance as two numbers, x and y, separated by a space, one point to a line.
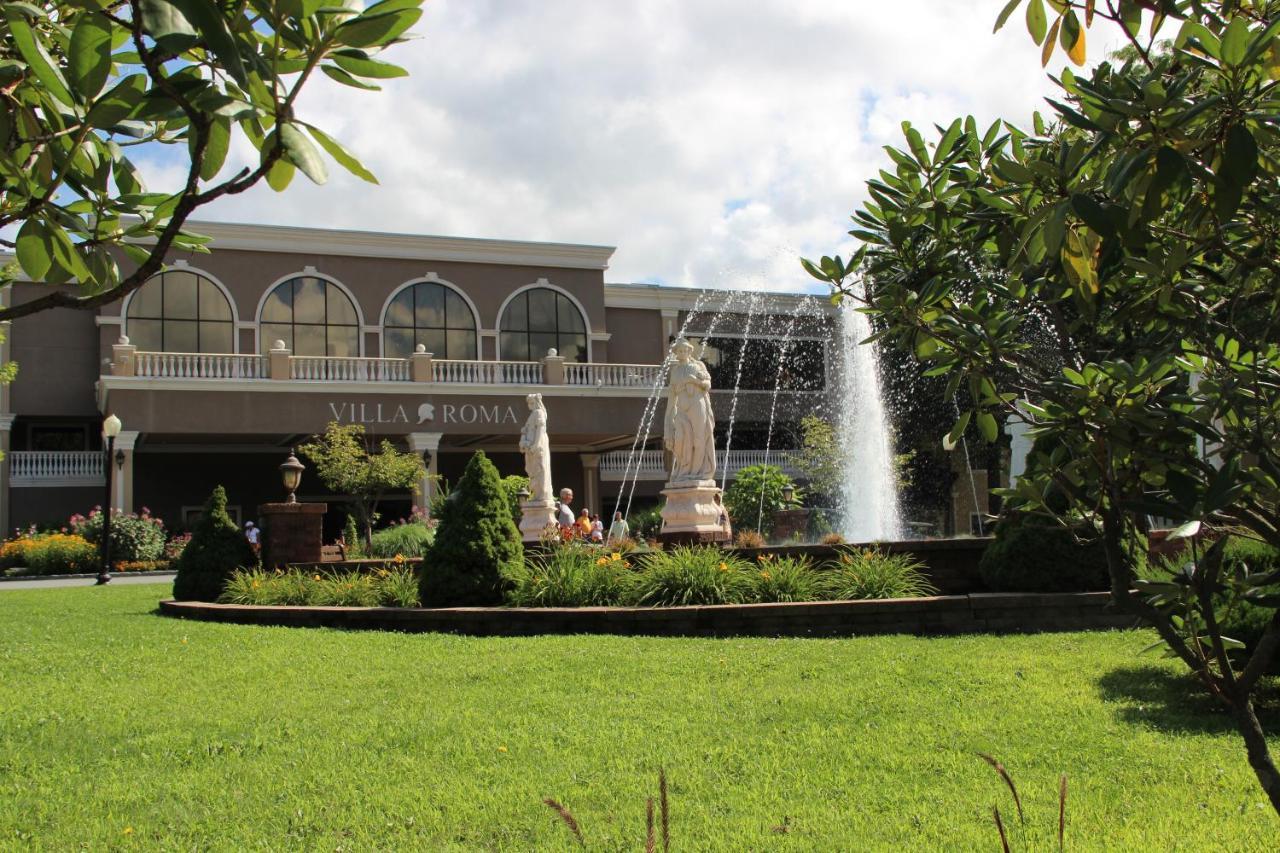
712 142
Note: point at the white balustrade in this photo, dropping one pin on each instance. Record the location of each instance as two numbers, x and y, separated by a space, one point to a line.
55 467
650 465
459 372
199 365
345 369
612 375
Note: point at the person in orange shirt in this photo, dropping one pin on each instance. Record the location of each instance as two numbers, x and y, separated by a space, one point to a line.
584 523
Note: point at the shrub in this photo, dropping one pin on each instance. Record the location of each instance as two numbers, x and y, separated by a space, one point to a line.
571 576
174 547
645 523
53 554
133 536
217 548
349 589
411 539
263 588
693 575
1032 555
142 566
754 488
511 487
748 539
476 543
351 539
398 588
786 579
832 539
870 574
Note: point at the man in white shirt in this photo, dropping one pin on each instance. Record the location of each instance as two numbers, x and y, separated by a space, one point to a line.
251 533
564 513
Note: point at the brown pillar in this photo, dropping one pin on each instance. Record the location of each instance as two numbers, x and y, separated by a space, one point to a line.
291 533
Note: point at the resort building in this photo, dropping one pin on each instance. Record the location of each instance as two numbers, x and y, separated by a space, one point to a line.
223 362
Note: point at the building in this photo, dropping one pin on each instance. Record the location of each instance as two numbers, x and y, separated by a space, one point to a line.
220 364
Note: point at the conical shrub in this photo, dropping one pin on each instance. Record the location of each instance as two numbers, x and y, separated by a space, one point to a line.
217 548
476 543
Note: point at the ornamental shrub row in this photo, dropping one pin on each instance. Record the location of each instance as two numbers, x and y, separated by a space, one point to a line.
394 587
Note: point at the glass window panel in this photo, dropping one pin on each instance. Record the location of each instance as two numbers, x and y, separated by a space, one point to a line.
573 347
515 346
462 343
570 317
213 304
397 343
516 317
430 314
400 311
146 301
180 336
279 305
435 342
341 310
180 295
308 300
542 310
540 342
344 341
145 335
216 337
309 340
457 311
272 332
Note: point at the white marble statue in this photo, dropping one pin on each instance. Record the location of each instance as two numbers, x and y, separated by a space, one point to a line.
537 451
690 424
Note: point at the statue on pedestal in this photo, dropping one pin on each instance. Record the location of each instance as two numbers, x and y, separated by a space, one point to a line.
537 512
693 511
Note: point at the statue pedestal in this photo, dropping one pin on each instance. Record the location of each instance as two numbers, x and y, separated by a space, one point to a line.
291 533
694 513
535 518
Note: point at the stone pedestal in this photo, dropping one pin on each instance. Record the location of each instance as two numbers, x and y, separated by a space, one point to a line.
694 512
535 518
790 525
291 533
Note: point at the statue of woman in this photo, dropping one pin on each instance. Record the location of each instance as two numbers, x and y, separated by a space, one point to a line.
690 424
537 451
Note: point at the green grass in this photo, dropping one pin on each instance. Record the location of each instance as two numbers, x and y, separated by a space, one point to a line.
120 728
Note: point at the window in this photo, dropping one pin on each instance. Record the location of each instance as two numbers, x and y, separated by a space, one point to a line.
180 311
312 316
537 320
799 365
433 315
57 437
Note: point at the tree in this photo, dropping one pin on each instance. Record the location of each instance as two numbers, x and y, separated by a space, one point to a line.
755 496
819 456
512 485
345 465
1110 278
86 83
217 548
477 543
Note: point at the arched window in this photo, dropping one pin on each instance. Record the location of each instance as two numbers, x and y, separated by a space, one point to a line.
312 316
180 311
431 314
540 318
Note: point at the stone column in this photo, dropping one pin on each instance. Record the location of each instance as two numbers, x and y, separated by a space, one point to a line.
591 482
420 364
291 533
553 368
122 476
123 362
426 442
278 361
6 499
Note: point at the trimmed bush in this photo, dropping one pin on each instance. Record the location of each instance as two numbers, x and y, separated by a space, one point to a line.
868 574
411 539
476 543
571 576
134 537
756 487
217 548
786 579
1030 555
693 575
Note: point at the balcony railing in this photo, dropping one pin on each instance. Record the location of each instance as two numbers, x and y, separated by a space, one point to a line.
458 371
613 375
55 468
199 365
337 369
650 465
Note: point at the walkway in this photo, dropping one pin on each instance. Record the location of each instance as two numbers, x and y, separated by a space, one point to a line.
88 580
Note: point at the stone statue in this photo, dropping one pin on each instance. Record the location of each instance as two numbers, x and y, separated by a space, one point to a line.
537 450
690 423
538 509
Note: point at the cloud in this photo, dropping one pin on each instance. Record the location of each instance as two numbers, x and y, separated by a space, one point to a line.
713 142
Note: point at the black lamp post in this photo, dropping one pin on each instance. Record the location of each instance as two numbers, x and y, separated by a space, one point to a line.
110 429
291 473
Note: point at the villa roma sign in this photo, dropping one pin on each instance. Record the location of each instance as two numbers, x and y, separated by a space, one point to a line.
467 414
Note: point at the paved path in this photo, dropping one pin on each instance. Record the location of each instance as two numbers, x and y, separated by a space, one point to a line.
124 578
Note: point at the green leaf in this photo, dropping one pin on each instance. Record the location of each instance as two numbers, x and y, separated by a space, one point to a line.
1037 23
1005 13
1183 531
302 153
1131 16
165 22
1235 41
988 427
35 249
375 28
280 175
118 103
212 26
346 79
357 63
37 58
215 151
89 55
344 157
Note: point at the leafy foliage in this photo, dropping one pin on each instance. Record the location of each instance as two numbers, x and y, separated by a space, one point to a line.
512 484
645 523
411 539
819 457
862 574
477 542
755 496
49 554
86 84
393 587
571 575
691 575
1036 555
134 536
785 578
217 548
345 465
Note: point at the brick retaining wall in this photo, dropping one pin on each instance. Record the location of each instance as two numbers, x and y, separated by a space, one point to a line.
950 614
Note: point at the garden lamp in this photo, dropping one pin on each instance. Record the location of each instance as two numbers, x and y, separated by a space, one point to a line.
291 473
788 495
110 429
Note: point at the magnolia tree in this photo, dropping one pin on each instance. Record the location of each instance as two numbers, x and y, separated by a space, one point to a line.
1109 276
88 83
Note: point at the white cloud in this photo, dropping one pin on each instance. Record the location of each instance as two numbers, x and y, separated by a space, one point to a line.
712 142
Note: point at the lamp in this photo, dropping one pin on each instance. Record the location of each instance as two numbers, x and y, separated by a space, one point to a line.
110 429
426 459
524 494
119 457
291 474
788 495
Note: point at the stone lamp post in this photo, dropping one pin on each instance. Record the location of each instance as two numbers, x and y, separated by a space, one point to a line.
292 532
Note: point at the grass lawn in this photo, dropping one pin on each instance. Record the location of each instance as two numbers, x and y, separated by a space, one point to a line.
121 728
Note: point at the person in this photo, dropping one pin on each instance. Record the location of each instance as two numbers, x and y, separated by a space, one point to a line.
597 529
619 530
564 514
251 533
584 523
